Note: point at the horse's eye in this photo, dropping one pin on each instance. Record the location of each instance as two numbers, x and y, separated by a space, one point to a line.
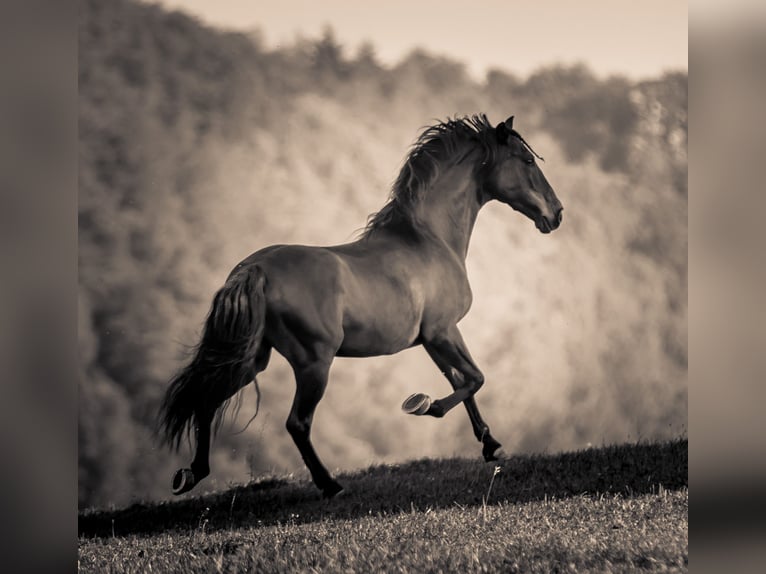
529 161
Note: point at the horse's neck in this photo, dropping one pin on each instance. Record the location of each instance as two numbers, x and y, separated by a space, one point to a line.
451 206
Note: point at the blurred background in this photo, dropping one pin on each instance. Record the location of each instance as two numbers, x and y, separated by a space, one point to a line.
207 134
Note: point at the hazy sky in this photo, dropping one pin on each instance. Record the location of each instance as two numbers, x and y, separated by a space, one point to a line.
637 38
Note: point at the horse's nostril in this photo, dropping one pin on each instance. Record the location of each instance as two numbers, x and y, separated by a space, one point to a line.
560 215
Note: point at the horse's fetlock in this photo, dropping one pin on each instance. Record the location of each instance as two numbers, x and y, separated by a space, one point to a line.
200 470
436 410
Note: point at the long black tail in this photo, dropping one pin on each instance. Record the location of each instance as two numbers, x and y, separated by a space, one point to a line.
223 362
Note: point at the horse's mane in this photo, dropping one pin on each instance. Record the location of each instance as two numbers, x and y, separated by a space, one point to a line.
436 144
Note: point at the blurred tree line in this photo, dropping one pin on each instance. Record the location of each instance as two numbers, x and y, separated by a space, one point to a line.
188 133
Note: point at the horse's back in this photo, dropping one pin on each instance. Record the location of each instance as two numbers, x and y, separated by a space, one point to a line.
300 278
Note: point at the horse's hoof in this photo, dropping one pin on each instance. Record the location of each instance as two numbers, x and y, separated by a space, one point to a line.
417 404
183 481
493 452
497 455
333 491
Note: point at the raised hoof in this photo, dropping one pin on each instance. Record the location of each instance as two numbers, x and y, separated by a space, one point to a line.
333 491
183 481
417 404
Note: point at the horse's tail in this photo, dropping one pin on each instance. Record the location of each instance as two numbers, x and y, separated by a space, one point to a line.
223 362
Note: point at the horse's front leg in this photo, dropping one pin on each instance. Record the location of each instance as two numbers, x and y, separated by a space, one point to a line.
490 446
451 355
449 352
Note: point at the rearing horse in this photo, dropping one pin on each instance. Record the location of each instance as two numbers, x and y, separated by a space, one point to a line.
402 283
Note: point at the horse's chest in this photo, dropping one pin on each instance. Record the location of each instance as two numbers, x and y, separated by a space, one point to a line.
452 291
449 301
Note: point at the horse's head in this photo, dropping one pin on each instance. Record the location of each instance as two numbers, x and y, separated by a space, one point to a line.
516 179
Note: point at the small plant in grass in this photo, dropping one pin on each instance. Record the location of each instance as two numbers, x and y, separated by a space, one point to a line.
485 499
231 509
203 520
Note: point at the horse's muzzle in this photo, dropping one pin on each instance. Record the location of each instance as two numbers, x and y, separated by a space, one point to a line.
546 225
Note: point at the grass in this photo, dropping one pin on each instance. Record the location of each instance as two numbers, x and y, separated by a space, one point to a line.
618 508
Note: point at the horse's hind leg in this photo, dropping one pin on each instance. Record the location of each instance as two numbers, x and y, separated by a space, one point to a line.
186 478
311 382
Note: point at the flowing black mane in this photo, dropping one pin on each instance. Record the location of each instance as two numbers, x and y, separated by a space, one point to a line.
436 144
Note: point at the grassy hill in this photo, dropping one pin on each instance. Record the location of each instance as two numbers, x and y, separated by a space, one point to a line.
614 508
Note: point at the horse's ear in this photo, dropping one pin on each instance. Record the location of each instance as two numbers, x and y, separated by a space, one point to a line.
504 130
502 133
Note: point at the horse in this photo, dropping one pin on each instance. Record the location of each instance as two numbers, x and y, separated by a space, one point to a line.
400 284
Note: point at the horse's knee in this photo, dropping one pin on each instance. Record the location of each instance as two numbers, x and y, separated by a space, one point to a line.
472 381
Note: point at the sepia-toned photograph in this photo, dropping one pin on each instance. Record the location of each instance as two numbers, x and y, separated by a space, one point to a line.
382 287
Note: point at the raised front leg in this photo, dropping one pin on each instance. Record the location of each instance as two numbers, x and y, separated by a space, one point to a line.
449 352
451 355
